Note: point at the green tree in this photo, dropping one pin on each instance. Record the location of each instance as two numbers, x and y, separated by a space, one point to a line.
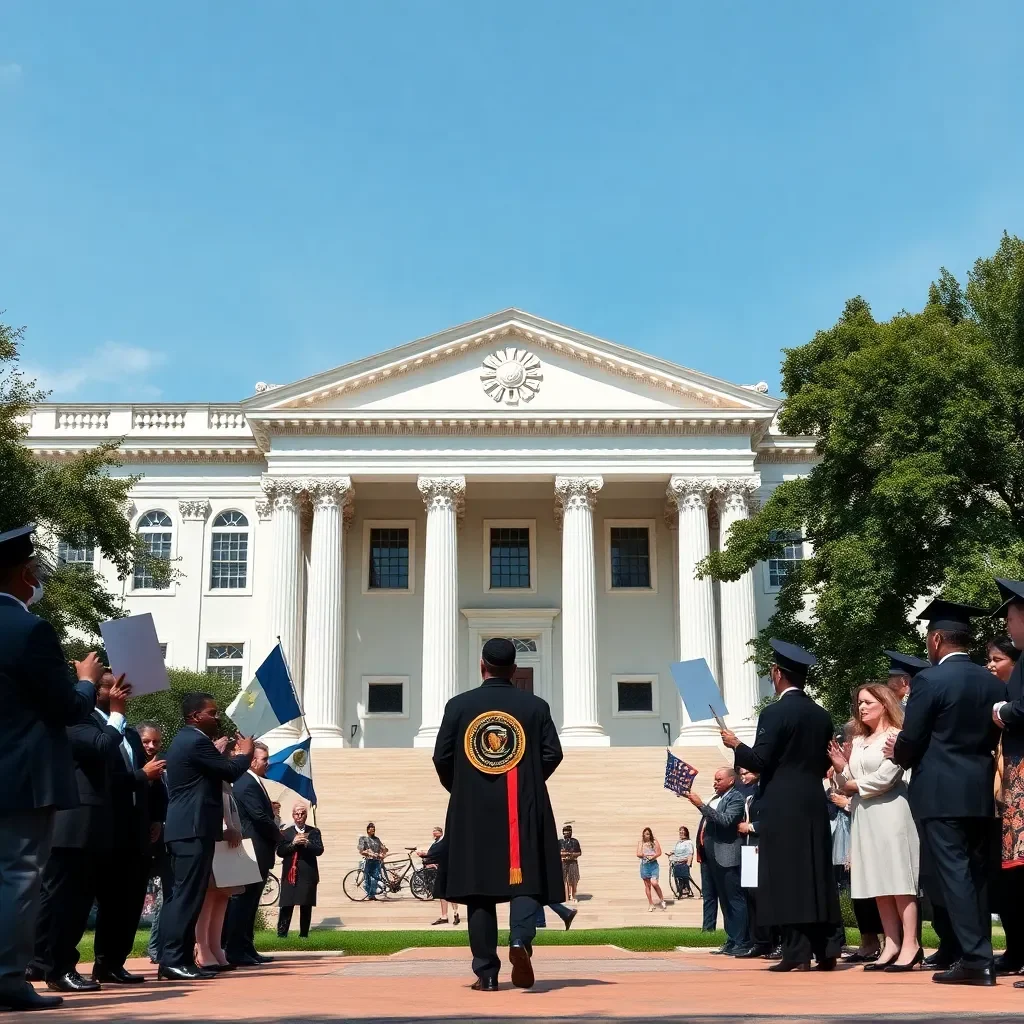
76 499
165 707
920 484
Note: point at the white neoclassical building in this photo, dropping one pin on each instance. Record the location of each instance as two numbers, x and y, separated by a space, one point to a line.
507 477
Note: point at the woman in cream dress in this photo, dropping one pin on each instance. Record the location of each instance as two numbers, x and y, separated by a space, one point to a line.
884 846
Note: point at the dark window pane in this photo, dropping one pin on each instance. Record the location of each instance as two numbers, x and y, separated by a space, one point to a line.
221 651
792 552
158 545
389 559
631 556
232 672
510 557
636 697
384 699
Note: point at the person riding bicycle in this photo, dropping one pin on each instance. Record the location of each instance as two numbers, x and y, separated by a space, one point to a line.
432 861
373 852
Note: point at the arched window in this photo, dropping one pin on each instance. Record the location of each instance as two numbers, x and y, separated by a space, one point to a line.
229 552
156 531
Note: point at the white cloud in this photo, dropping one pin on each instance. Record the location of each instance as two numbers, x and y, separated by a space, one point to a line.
108 364
9 72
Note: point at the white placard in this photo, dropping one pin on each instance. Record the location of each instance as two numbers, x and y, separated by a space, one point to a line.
134 651
235 866
748 867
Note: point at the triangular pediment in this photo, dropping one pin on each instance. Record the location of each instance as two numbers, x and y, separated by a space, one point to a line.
510 362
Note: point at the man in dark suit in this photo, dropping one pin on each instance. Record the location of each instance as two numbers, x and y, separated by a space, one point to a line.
495 750
720 819
196 772
151 738
257 816
82 843
121 894
40 699
947 740
796 886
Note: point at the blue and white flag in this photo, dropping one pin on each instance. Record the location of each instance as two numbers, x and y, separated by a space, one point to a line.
292 767
268 701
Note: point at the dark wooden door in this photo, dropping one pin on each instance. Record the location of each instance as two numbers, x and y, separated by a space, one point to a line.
522 679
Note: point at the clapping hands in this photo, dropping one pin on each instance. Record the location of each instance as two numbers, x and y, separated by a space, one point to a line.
836 756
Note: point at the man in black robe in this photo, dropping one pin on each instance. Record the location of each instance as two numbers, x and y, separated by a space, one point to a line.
298 848
495 750
947 741
796 886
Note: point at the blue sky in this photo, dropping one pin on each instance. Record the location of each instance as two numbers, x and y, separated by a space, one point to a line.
198 196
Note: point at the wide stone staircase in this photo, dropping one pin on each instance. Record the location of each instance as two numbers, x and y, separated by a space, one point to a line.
609 795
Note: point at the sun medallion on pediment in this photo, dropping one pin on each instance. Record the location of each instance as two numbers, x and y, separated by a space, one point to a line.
511 375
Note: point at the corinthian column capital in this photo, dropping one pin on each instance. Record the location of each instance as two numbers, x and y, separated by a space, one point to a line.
691 491
739 496
282 493
577 491
197 509
329 492
443 492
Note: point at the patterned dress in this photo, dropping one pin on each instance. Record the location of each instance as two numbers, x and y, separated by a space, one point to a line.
570 868
1013 810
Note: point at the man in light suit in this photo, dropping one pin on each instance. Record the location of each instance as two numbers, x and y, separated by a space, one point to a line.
722 845
40 699
196 772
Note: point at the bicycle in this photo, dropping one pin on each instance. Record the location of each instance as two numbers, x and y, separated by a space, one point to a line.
677 889
271 891
390 880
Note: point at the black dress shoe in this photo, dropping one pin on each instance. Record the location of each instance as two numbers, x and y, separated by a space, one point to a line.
860 958
177 973
216 968
740 952
725 949
570 918
27 998
1004 966
246 961
261 959
71 981
34 974
789 965
903 968
827 963
753 952
522 968
938 961
488 984
880 965
775 954
117 976
960 975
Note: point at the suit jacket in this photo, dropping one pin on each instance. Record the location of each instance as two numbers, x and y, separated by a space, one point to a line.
196 771
495 722
131 796
39 699
721 840
257 815
158 797
948 739
95 748
1013 714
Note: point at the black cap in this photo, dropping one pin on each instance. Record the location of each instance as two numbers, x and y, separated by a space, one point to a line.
499 652
791 658
1009 591
950 615
904 664
16 546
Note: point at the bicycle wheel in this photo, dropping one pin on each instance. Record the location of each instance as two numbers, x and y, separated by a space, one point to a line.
422 883
271 891
677 890
354 886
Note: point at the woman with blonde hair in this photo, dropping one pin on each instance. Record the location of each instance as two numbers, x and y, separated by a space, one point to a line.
884 846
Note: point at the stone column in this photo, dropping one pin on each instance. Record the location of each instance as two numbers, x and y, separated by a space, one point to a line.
323 677
740 684
690 497
195 570
284 618
581 723
439 680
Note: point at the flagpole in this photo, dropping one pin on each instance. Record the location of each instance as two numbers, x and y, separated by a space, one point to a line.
302 716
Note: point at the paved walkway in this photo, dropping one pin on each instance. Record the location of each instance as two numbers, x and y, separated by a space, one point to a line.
575 983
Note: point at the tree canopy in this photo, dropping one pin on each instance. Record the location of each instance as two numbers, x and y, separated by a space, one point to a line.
919 487
165 707
75 499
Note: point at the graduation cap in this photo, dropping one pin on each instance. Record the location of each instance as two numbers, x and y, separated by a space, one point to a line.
950 616
904 664
792 659
16 546
499 652
1009 591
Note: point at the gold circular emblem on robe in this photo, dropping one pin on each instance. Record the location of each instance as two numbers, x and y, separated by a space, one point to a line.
495 742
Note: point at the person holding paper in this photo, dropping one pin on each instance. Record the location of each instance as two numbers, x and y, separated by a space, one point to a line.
796 886
40 700
196 772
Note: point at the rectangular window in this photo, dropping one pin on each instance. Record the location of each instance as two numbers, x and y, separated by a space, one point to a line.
156 545
510 557
225 660
630 557
75 554
389 558
384 699
635 696
792 552
163 651
229 559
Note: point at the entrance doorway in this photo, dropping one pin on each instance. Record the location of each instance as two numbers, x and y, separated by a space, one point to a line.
522 678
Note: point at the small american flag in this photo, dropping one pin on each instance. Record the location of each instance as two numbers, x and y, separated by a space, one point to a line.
679 775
